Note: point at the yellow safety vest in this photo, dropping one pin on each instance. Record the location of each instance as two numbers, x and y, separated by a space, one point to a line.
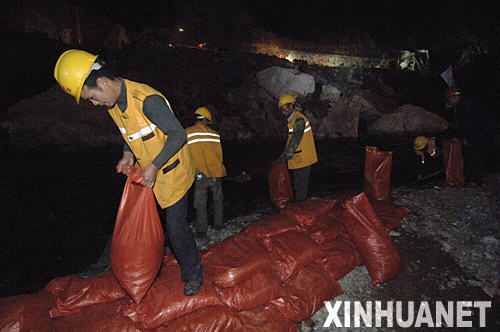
204 143
146 141
305 154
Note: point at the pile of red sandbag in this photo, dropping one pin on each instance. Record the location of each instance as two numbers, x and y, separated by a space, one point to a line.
276 272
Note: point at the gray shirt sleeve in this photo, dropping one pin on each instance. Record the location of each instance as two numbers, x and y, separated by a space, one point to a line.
156 110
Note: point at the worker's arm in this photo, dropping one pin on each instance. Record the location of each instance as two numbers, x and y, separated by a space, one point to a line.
157 111
297 133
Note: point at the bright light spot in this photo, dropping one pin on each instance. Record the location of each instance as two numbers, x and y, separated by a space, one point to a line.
202 45
290 58
181 30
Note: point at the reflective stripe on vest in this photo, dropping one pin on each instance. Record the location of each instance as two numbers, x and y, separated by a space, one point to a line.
197 140
143 132
306 128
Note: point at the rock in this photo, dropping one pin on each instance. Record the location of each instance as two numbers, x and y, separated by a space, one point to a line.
330 93
410 119
278 81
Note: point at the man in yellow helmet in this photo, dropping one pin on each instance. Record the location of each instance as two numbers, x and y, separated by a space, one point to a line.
300 150
154 139
427 151
204 143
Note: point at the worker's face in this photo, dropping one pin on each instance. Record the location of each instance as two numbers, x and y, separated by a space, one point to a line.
100 95
286 109
454 100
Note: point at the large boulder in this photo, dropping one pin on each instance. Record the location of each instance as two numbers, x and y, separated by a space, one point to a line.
53 118
278 81
409 119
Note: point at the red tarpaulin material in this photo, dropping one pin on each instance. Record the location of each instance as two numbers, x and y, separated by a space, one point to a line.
105 317
286 278
166 300
280 189
72 293
453 162
270 226
291 252
377 174
137 244
389 213
306 213
26 312
341 257
374 244
227 319
307 292
254 292
235 260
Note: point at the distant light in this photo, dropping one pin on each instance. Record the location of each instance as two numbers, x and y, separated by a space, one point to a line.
170 45
202 45
181 30
290 58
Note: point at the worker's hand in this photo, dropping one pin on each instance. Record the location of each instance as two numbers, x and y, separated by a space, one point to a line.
282 157
127 159
149 176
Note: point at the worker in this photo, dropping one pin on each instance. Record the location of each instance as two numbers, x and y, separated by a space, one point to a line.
154 139
206 149
453 97
469 124
428 156
300 149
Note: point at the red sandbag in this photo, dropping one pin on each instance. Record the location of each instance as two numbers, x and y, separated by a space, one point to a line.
377 174
226 319
306 213
379 254
292 251
270 226
106 317
207 319
26 312
325 230
280 189
453 162
235 260
307 292
72 293
389 213
341 257
137 244
165 300
254 292
266 319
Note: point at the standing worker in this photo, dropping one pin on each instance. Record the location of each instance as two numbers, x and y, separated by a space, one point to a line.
154 138
206 149
300 150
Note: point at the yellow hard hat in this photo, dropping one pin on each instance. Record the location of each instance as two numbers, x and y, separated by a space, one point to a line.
204 112
420 142
286 99
72 69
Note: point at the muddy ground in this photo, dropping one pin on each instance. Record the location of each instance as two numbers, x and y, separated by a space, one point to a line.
58 211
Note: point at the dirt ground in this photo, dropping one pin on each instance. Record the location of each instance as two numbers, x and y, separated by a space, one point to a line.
58 211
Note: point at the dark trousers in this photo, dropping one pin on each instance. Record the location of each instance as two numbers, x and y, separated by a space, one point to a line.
200 202
301 183
181 239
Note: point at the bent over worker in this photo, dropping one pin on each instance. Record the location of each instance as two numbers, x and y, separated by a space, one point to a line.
300 150
206 149
154 138
428 152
